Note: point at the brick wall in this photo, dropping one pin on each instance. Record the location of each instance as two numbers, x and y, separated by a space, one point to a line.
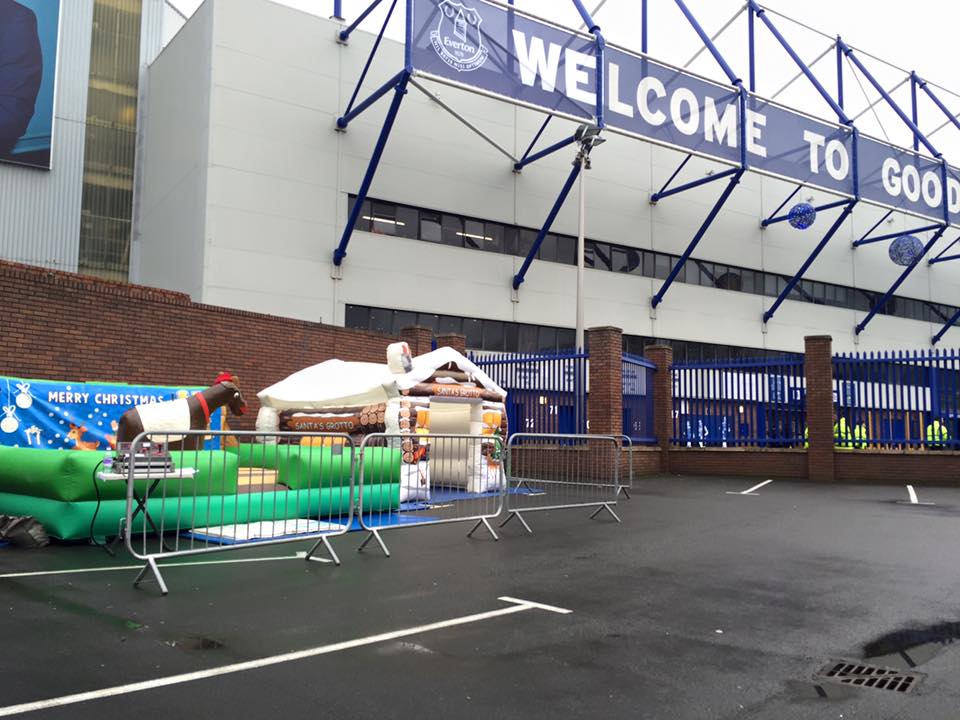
420 339
818 371
61 326
662 357
605 403
745 462
454 340
898 468
646 461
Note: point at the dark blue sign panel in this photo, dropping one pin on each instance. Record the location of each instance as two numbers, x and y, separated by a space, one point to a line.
508 54
55 415
798 147
500 51
28 68
845 394
906 181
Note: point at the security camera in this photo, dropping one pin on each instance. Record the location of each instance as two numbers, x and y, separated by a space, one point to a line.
586 132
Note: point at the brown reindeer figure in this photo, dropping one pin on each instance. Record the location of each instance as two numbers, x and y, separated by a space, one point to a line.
76 434
173 416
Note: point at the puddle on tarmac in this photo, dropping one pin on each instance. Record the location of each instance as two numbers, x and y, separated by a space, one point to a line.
196 643
909 648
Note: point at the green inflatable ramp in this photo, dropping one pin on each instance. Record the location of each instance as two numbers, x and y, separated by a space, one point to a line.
304 466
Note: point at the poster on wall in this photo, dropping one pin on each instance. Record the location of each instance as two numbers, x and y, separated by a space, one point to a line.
29 31
64 415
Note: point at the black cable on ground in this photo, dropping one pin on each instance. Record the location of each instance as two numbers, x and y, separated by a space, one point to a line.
96 511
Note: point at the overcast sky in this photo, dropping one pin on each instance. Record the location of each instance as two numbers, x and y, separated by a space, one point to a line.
917 35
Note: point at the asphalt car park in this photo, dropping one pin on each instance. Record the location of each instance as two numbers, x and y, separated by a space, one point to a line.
704 602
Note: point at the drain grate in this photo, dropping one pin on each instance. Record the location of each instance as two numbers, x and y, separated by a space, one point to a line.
857 674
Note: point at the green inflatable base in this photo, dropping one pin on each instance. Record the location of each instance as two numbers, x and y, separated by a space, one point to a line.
71 520
310 467
68 475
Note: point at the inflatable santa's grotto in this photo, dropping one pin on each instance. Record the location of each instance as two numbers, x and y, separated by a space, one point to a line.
410 400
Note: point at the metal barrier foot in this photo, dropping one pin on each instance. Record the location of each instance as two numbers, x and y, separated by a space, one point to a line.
374 535
622 490
483 521
516 513
152 566
330 551
601 509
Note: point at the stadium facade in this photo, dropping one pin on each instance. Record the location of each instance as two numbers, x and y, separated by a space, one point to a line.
245 188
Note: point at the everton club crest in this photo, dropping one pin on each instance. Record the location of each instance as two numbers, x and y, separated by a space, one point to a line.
457 38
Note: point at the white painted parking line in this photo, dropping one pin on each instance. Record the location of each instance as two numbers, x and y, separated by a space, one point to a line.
539 606
914 500
516 606
752 491
114 568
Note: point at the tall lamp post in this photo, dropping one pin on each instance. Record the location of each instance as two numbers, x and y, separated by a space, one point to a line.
588 136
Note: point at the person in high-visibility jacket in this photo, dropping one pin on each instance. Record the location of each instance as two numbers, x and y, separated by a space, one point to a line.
841 435
859 436
937 435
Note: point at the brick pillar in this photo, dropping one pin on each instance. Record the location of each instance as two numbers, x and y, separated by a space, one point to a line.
456 341
818 371
662 357
605 406
420 339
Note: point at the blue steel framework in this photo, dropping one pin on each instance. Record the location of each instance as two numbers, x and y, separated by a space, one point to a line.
399 84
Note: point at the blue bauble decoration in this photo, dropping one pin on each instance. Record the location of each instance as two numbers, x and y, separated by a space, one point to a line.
802 215
905 250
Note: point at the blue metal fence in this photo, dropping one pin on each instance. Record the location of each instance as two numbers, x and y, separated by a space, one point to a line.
637 374
897 400
546 392
758 403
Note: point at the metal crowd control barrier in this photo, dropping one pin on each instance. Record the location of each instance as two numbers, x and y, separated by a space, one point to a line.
626 483
443 479
554 472
251 489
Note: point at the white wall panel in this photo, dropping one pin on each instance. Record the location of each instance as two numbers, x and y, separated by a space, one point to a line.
170 239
